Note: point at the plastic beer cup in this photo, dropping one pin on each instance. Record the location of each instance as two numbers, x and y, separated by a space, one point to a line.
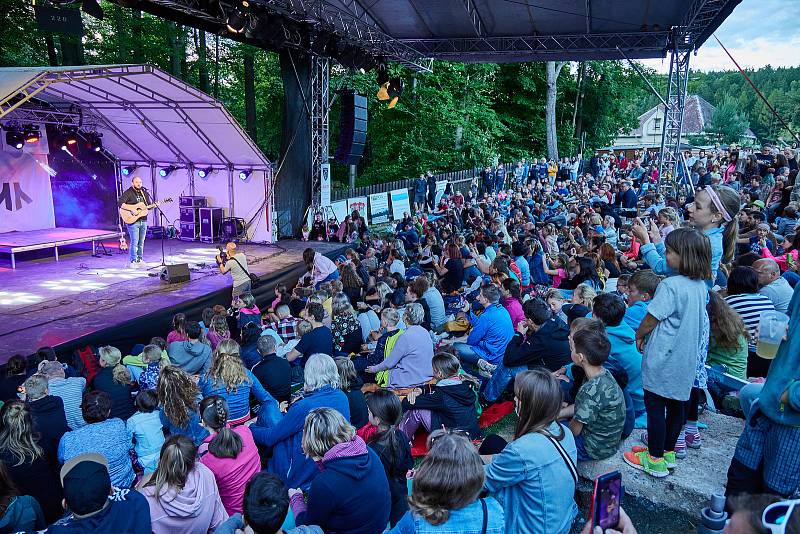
771 330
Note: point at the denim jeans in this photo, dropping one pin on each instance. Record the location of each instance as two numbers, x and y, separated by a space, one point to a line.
500 380
466 353
137 232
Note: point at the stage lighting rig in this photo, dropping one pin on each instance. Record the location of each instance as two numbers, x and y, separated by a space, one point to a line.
245 174
128 170
202 173
69 138
166 171
94 141
14 136
238 18
32 134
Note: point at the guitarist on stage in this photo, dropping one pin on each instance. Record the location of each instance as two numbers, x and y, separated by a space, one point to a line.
134 195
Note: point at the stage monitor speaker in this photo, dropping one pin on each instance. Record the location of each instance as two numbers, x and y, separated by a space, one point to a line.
175 274
352 128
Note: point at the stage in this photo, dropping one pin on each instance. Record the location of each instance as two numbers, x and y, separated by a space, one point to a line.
82 299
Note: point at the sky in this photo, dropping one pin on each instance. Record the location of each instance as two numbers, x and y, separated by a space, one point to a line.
757 33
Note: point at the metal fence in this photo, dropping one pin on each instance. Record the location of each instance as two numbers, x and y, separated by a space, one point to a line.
459 179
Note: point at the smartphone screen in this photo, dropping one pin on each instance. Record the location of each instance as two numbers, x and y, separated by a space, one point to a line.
607 497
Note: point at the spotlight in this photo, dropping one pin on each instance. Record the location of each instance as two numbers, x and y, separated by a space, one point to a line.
237 20
94 141
69 138
129 169
202 173
14 137
32 134
244 174
166 171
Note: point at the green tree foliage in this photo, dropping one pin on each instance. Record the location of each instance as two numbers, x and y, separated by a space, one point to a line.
726 126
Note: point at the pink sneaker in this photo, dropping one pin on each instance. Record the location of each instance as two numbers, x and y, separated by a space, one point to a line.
693 441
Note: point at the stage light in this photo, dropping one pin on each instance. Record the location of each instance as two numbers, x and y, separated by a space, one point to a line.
202 173
129 169
237 20
166 171
32 134
245 174
14 137
94 141
70 137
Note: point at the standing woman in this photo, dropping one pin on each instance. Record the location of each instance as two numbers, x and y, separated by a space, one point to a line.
27 466
534 476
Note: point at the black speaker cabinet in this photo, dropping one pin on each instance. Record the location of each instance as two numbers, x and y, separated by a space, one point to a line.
352 128
175 274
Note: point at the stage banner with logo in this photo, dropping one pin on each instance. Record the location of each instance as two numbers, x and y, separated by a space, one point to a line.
379 208
400 203
358 204
26 200
325 184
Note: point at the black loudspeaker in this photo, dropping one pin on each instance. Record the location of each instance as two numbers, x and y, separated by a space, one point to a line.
175 274
352 128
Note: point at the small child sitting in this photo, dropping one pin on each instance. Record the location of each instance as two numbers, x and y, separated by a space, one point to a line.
151 358
145 425
760 240
449 404
598 415
641 288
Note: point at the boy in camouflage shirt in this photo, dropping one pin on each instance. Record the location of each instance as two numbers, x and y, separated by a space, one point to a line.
598 415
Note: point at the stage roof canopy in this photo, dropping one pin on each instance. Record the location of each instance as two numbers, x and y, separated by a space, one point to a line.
493 31
144 114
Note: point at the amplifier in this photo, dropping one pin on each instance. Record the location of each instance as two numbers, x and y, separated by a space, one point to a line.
189 231
210 222
190 215
193 201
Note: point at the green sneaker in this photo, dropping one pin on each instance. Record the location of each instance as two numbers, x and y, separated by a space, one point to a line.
643 461
671 459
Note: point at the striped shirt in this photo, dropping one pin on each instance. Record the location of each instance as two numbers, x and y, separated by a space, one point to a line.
750 306
71 392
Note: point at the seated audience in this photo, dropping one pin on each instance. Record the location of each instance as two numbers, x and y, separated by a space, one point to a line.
191 355
69 389
178 332
272 371
727 344
445 496
409 362
181 493
18 513
229 452
744 298
12 378
152 361
282 439
318 341
115 379
345 328
491 330
146 429
350 495
177 399
351 385
47 412
772 284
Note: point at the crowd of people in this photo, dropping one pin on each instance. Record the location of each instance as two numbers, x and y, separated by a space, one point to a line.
584 294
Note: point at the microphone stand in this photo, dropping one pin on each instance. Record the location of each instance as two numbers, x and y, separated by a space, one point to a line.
161 217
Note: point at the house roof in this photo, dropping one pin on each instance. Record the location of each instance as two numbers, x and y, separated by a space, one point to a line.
697 113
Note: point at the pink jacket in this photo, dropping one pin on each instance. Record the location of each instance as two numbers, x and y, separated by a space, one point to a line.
323 267
780 260
514 310
232 474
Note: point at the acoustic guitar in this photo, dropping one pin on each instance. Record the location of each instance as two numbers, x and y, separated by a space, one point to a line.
133 212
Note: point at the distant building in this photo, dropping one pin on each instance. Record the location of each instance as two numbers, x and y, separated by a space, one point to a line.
696 115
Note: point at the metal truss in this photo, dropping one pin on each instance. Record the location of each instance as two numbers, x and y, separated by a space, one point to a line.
680 52
700 15
319 119
474 17
544 45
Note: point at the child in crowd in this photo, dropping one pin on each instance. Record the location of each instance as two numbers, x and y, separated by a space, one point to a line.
760 240
728 342
151 358
145 426
555 301
448 404
178 332
207 315
218 330
641 288
390 318
678 328
598 415
559 268
391 446
622 286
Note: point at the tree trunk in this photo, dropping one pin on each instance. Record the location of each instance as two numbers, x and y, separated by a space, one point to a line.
119 33
52 55
216 67
578 100
553 70
463 121
177 55
71 50
249 92
136 28
203 62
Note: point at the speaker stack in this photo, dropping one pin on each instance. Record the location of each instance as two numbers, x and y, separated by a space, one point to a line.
352 128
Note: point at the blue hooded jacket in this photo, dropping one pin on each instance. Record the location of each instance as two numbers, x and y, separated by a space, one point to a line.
288 460
784 375
634 315
625 355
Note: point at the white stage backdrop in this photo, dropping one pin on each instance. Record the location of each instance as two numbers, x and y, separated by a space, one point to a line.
26 199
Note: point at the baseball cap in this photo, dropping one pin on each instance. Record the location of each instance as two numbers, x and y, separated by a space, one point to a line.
759 204
86 483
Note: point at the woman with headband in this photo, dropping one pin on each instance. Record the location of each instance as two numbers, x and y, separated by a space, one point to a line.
714 212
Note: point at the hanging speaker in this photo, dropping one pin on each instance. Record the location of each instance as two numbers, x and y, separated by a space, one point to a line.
352 128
